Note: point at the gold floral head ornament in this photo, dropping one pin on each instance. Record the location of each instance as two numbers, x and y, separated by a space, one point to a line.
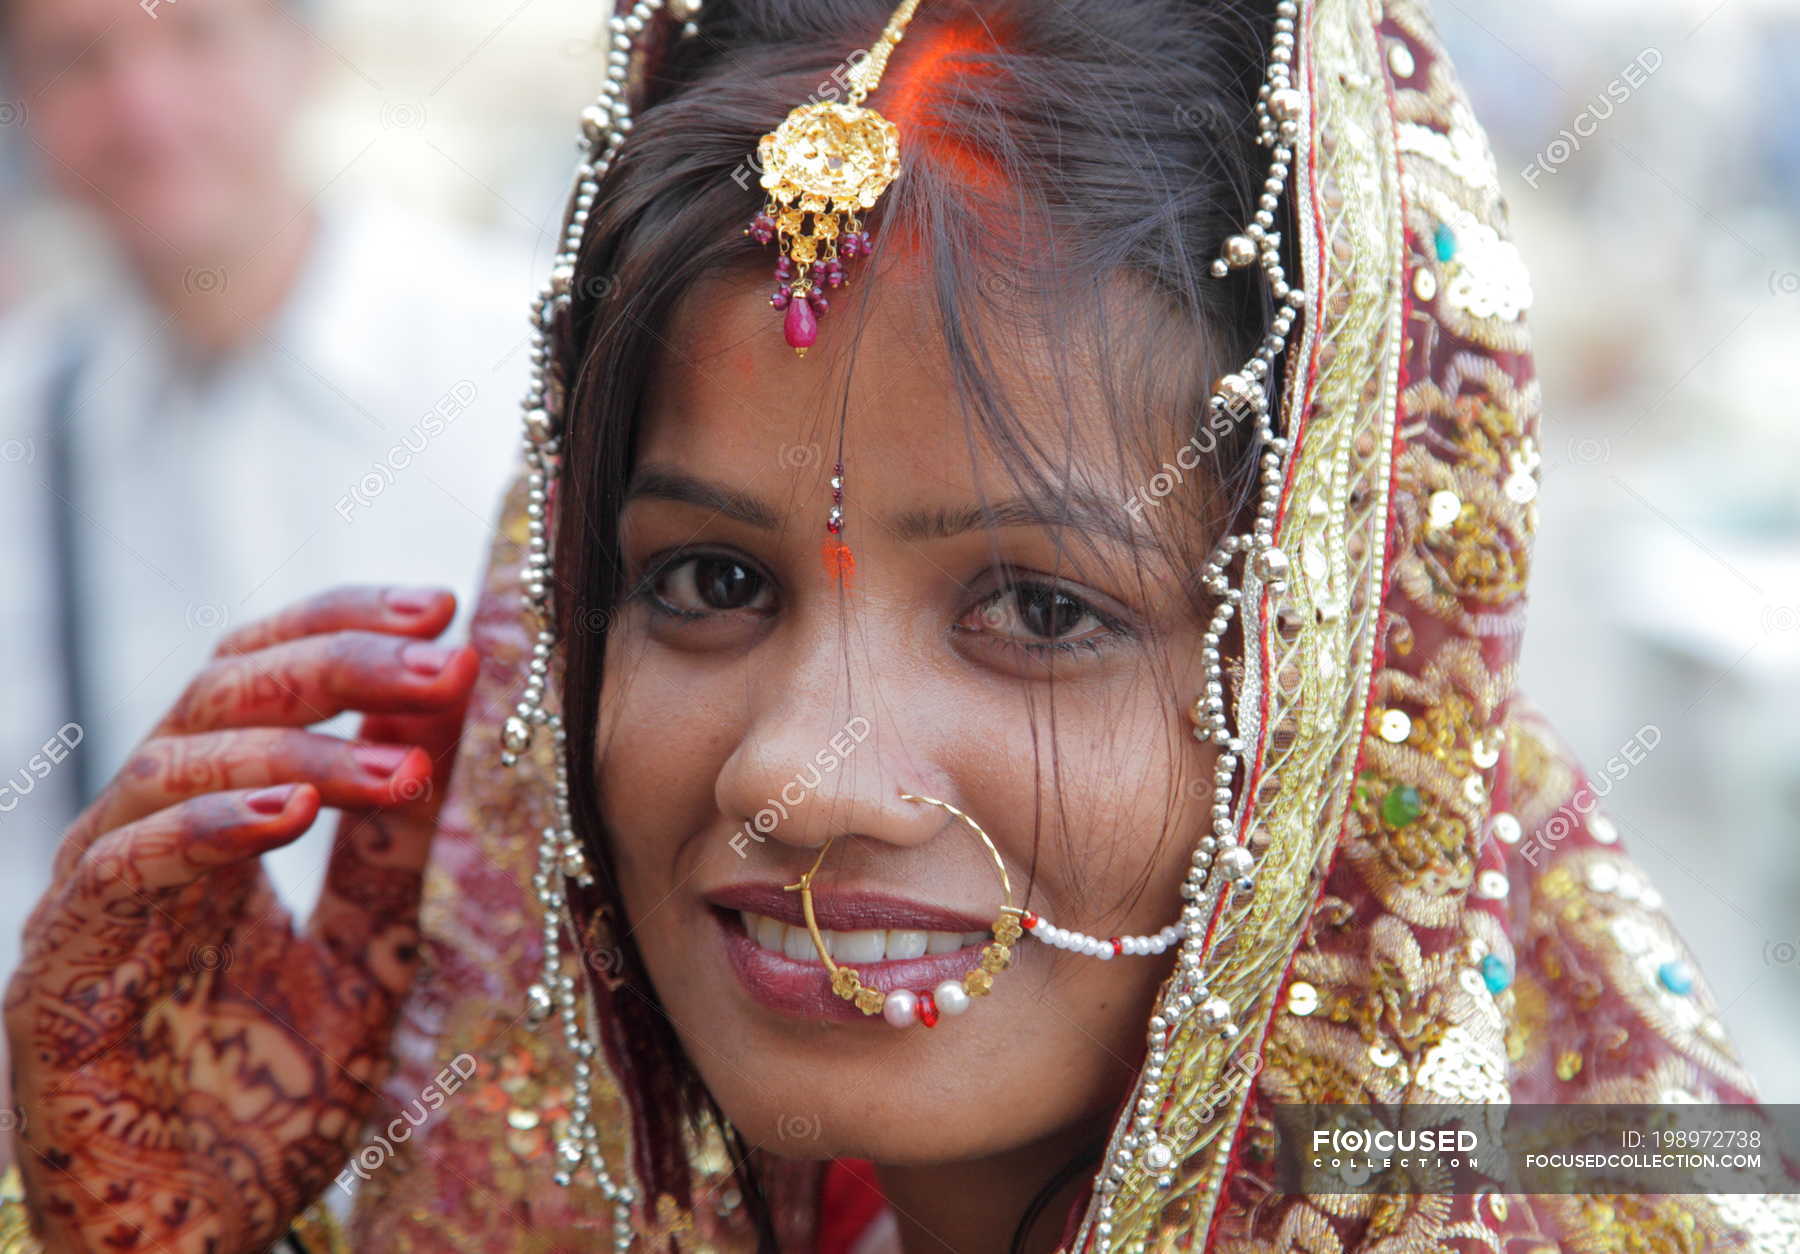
823 167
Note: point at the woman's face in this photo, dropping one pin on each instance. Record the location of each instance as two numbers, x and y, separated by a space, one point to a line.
742 679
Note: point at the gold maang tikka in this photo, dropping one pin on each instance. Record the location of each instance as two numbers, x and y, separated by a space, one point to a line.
826 164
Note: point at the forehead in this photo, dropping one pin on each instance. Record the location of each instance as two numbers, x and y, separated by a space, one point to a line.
728 394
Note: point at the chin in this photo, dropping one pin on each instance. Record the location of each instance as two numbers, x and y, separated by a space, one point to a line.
800 1079
848 1111
1047 1054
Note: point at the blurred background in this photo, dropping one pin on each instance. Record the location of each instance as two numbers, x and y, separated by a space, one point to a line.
264 277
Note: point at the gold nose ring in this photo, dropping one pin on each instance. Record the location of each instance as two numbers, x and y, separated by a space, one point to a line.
905 1007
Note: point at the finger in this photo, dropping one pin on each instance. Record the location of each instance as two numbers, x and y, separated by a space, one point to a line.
436 734
316 677
165 770
367 912
128 877
422 612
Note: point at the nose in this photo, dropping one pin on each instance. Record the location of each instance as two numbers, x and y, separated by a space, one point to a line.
829 744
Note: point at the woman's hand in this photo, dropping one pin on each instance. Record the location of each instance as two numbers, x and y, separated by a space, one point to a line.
192 1070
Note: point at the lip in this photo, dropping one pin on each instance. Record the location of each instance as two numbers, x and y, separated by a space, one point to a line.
847 911
803 989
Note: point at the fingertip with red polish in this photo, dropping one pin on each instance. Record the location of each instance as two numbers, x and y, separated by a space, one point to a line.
381 761
453 666
282 800
415 603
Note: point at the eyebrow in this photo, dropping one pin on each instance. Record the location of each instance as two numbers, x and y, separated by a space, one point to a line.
1074 507
659 483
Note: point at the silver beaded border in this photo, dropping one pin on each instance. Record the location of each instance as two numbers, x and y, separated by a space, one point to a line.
604 126
1244 395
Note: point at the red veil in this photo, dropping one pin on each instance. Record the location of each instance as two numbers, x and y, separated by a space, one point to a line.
1442 914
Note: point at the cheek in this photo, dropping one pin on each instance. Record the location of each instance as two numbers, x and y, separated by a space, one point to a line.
662 738
267 90
75 125
1122 791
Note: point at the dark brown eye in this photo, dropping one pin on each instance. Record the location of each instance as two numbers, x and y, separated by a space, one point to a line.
725 584
710 583
1048 613
1036 614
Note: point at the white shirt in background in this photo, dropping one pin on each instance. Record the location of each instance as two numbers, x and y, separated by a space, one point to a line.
364 437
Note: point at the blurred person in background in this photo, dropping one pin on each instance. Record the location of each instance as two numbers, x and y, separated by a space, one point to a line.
239 386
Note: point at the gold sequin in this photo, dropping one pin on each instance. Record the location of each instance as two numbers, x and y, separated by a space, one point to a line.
1444 508
1400 59
1302 998
1602 877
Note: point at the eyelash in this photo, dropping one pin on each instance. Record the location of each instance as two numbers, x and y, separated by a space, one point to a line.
1116 630
662 564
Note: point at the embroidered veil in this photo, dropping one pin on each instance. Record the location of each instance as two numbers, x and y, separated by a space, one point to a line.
1441 914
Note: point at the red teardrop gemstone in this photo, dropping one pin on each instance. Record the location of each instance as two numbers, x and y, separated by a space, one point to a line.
801 325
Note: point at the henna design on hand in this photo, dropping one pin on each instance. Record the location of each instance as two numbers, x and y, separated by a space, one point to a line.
195 1069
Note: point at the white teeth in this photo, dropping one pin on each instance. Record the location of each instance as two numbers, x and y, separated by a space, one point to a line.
769 932
854 947
908 944
798 945
943 942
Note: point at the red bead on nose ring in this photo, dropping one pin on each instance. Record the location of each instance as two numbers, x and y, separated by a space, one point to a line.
905 1007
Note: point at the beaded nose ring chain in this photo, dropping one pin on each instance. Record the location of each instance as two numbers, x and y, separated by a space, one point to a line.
905 1007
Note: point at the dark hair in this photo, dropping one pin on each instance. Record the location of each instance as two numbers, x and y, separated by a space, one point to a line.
1050 149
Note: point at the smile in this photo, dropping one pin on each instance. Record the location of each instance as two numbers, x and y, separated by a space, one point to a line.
892 943
866 946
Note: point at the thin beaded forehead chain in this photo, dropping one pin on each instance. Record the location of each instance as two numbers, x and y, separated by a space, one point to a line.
1240 567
